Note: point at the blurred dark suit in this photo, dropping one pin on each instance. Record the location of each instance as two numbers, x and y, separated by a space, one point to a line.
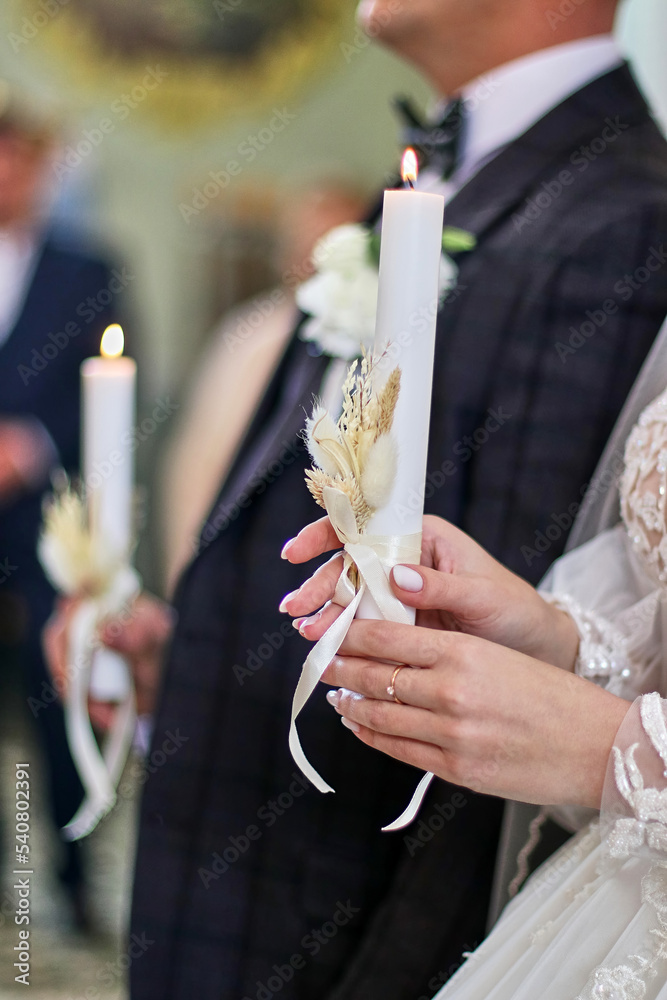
233 900
69 301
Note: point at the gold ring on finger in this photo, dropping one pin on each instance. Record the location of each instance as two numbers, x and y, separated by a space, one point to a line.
391 690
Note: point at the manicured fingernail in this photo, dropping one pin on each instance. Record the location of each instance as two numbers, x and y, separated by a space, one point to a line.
297 623
351 725
333 697
408 579
286 599
286 548
309 621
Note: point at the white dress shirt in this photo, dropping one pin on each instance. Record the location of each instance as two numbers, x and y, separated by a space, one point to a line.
18 254
33 453
503 104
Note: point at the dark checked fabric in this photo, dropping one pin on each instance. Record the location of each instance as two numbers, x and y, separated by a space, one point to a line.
247 887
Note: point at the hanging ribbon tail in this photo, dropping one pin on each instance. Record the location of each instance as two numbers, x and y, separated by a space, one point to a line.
99 771
316 663
409 814
367 554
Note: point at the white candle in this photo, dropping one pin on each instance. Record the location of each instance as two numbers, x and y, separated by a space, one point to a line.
108 386
410 253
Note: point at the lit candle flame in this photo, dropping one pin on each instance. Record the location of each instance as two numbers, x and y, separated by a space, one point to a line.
113 341
409 167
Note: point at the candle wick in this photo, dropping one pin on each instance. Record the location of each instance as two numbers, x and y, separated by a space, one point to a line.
409 184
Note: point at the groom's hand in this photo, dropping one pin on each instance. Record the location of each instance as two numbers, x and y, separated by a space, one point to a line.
141 638
458 587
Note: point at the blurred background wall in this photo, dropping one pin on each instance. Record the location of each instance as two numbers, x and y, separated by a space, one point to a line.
155 188
129 188
127 191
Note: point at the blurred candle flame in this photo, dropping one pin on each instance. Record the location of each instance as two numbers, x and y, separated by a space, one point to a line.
113 341
409 167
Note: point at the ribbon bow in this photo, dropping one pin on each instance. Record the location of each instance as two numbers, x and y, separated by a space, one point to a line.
369 558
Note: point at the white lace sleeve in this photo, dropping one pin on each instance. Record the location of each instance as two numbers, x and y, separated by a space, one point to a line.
614 587
634 801
602 656
644 489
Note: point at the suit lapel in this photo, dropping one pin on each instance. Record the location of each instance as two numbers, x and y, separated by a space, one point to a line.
500 186
473 325
292 389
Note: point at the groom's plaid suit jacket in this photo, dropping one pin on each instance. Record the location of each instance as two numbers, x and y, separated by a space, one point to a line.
246 885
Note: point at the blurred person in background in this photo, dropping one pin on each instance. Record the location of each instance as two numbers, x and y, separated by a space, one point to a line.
56 298
236 365
243 871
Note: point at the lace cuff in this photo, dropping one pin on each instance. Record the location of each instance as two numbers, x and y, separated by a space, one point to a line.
634 800
603 650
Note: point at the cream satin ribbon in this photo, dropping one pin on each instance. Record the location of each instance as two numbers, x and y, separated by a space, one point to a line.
99 770
372 556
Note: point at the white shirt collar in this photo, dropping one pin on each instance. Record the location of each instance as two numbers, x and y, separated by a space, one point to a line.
503 104
18 255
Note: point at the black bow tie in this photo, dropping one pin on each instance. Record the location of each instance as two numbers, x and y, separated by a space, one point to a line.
436 144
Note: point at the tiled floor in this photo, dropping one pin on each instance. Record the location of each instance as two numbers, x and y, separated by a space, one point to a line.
65 964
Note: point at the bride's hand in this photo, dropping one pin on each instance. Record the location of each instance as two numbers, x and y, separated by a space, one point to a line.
458 587
476 714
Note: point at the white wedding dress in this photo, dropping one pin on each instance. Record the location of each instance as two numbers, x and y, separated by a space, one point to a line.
592 922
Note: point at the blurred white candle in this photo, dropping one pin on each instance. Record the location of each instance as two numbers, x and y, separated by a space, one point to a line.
108 385
410 252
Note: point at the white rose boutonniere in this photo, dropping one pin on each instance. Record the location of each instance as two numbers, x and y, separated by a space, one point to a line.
341 297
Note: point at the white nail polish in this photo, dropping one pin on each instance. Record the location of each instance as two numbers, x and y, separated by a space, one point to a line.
351 725
282 607
309 621
333 697
408 579
286 548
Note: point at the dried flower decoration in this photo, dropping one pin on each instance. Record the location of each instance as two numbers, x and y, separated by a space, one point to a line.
356 455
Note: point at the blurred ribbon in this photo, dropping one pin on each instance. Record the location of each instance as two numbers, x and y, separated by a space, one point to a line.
83 567
100 769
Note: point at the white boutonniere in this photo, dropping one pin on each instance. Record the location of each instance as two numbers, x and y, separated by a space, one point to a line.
341 297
